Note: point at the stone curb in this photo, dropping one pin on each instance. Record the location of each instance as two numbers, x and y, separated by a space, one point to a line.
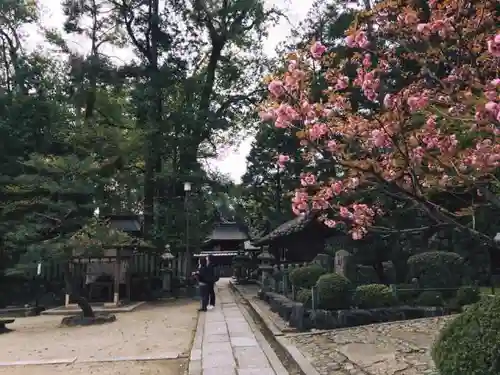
194 365
305 366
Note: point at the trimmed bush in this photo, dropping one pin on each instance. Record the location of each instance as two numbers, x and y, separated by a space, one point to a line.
304 296
469 343
467 295
333 291
306 277
437 269
430 298
407 293
373 296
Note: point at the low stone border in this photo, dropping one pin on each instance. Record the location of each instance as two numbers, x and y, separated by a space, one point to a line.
74 309
19 312
304 319
272 332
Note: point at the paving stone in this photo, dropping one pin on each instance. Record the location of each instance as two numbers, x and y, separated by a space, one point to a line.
217 338
194 368
379 349
225 340
219 371
256 371
219 360
214 318
210 348
250 357
195 355
244 341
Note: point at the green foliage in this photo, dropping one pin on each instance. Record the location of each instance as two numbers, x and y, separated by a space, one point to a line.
437 269
430 298
373 296
307 276
469 343
407 293
304 296
334 291
467 295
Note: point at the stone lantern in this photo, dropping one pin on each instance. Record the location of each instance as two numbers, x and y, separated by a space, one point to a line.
166 269
265 266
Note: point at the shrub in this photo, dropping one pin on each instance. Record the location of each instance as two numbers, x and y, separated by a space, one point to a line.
437 269
467 295
430 298
469 343
407 293
333 291
304 296
306 277
373 296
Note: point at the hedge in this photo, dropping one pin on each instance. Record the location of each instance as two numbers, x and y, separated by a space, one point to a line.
470 343
334 291
437 269
307 276
373 296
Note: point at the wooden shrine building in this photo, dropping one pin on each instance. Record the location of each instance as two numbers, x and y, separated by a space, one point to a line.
224 242
297 240
105 277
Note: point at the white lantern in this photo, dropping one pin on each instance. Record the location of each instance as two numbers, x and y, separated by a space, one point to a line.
187 186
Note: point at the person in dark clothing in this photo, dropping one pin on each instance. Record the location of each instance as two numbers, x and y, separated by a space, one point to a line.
204 277
211 285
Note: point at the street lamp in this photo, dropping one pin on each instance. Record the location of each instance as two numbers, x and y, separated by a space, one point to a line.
187 189
496 241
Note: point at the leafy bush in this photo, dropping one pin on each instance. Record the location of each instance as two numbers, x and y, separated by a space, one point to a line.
407 293
467 295
430 298
333 291
306 277
437 269
469 343
304 296
373 296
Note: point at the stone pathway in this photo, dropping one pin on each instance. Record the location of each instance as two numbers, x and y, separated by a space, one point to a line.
397 348
225 343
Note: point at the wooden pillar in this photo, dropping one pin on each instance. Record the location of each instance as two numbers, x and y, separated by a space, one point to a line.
116 288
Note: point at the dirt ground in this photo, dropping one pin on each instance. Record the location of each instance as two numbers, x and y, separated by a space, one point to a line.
162 332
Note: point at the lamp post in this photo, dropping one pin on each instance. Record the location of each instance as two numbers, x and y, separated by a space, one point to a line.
187 189
496 241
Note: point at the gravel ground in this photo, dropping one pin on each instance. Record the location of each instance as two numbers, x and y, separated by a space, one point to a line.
156 331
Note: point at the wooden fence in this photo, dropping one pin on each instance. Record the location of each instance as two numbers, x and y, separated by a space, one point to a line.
145 264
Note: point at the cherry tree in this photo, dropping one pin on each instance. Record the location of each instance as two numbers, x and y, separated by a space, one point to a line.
430 70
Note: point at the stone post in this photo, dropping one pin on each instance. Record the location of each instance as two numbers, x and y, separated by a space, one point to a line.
265 267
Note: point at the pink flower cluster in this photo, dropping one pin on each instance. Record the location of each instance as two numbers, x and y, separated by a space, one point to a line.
358 39
441 27
414 139
494 45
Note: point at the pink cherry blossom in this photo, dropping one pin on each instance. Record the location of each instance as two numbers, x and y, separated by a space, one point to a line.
276 88
317 50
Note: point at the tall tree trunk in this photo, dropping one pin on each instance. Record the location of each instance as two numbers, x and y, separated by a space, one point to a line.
74 293
153 159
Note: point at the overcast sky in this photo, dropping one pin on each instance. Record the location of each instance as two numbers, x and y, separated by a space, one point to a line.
233 163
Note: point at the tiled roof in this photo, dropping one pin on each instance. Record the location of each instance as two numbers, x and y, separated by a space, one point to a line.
229 231
286 229
216 254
